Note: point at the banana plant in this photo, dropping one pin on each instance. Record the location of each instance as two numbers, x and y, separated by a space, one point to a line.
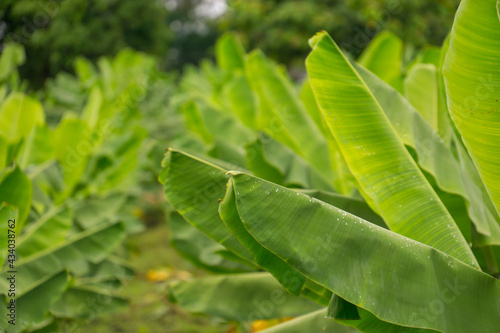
416 247
69 184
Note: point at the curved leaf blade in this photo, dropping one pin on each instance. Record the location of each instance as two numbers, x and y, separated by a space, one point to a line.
472 79
193 187
453 174
376 156
371 267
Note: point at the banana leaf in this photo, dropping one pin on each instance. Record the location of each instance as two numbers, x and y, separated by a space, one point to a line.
471 73
369 266
16 190
454 173
286 117
376 156
241 297
384 57
50 230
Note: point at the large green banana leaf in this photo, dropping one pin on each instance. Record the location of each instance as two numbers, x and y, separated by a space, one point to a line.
373 268
287 276
352 205
376 156
229 213
453 174
241 297
193 187
472 79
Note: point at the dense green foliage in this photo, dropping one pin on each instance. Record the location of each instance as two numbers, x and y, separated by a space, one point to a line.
358 191
71 180
364 199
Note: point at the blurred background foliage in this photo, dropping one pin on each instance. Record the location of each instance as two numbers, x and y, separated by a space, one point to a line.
59 36
179 32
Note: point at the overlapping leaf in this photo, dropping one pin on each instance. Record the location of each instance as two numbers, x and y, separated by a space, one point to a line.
453 174
371 267
376 156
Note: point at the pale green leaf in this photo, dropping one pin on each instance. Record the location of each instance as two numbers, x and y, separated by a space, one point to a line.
421 90
377 157
19 113
453 174
472 78
384 57
16 190
229 53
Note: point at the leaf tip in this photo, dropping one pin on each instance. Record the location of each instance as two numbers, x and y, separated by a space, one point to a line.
314 40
